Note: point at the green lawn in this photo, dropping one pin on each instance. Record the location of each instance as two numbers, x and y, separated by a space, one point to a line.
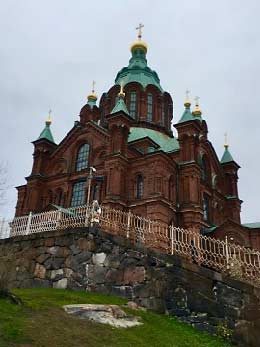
41 322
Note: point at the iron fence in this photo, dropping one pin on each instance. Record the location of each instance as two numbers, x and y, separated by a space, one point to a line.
226 257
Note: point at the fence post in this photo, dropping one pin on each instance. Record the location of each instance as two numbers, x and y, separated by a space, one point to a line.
128 224
59 219
227 251
27 231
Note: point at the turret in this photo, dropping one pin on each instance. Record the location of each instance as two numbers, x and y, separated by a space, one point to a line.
43 147
90 112
230 168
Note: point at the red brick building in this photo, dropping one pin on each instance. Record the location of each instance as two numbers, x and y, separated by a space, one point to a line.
140 165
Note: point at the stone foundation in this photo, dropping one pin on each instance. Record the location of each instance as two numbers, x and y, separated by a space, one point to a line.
96 261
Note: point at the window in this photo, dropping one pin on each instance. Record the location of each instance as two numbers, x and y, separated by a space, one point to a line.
82 157
204 169
205 206
78 193
164 114
149 107
132 107
140 187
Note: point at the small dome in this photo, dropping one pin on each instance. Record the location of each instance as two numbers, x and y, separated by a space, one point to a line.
139 44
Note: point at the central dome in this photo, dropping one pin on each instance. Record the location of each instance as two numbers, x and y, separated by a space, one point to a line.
137 70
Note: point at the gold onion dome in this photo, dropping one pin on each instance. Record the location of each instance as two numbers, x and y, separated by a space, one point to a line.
187 102
197 110
48 120
92 96
139 43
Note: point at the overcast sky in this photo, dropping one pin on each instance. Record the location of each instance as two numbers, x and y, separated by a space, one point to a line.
51 51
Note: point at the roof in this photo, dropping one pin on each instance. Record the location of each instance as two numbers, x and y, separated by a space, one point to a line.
166 143
252 225
138 71
188 116
46 133
227 157
120 106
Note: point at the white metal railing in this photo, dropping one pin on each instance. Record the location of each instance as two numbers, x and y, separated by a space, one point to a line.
237 261
4 228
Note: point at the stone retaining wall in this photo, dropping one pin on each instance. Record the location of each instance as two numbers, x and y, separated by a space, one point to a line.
97 261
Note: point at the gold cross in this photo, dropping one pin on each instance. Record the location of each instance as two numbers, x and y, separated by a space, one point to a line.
226 141
197 100
139 28
49 115
187 94
93 86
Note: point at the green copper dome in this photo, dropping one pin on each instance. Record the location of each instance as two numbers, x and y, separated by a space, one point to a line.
46 133
227 157
138 71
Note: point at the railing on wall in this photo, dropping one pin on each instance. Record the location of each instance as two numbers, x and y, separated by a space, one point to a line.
235 260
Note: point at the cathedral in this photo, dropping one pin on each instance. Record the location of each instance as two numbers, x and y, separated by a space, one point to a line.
125 149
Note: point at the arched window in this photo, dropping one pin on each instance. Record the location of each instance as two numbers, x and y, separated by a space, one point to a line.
140 187
205 207
82 157
78 193
149 107
164 114
132 106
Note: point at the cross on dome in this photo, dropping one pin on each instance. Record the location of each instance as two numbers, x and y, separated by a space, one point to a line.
139 28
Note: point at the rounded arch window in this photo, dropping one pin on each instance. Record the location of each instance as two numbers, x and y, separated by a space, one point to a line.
149 107
139 187
82 157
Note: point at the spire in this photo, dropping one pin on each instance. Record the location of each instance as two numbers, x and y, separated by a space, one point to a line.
139 43
137 69
197 111
187 102
187 115
92 97
46 133
120 104
227 157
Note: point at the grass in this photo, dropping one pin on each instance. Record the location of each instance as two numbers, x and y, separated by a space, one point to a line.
41 322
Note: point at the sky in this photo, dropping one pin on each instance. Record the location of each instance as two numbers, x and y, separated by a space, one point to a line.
52 50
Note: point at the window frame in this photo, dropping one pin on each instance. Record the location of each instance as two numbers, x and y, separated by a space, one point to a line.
149 107
82 158
78 195
139 186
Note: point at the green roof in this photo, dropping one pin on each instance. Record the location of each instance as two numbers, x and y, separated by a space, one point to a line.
252 225
188 116
46 133
166 143
120 106
227 157
138 71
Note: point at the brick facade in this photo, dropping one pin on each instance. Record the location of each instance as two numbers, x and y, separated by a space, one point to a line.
140 165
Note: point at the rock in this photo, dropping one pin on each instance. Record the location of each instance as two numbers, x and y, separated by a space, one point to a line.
61 284
98 258
39 271
49 242
133 305
105 314
134 275
56 273
41 259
